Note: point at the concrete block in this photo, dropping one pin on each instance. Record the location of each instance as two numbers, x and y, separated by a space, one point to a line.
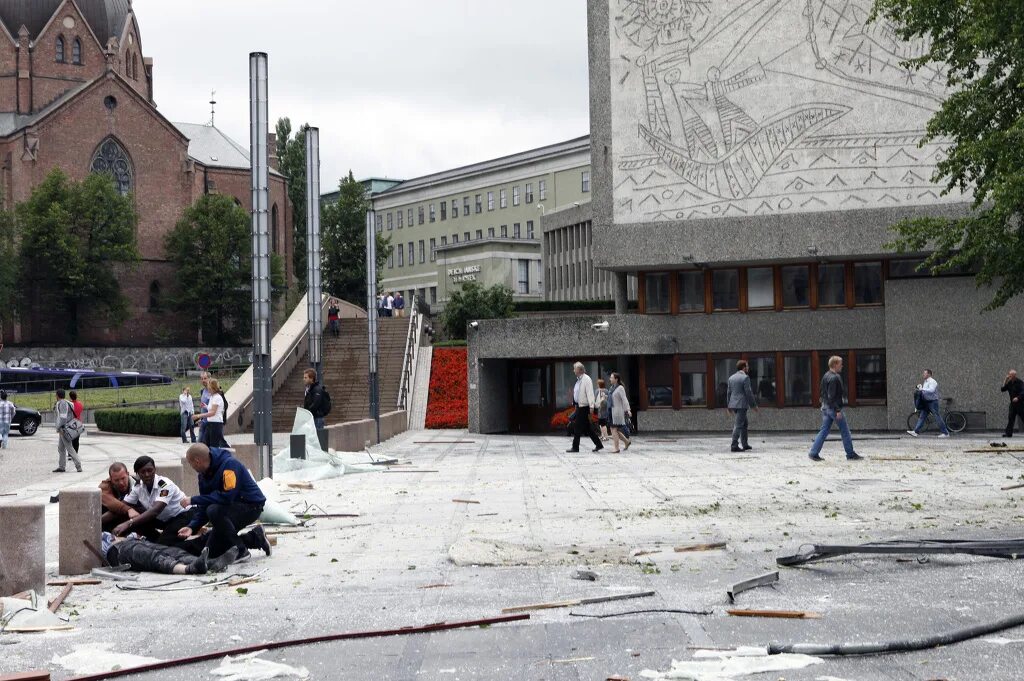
79 520
174 471
190 480
23 548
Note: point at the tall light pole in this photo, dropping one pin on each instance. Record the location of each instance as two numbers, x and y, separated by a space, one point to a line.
371 314
263 430
314 304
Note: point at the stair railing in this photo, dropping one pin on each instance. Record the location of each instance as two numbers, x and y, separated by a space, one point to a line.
412 345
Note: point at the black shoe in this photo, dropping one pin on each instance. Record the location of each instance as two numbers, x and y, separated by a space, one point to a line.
1007 434
735 449
259 538
815 458
243 557
572 451
747 448
59 470
598 448
201 565
854 457
221 562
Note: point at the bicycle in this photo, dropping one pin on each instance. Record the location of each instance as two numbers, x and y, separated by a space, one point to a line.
956 421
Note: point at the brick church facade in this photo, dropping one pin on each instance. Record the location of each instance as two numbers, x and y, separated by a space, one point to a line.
76 93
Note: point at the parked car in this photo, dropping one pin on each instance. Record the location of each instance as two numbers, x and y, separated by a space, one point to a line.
26 421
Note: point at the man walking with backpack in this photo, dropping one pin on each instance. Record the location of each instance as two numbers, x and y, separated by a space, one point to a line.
317 401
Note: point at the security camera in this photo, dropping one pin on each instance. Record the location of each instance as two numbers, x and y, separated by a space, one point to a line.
474 325
600 327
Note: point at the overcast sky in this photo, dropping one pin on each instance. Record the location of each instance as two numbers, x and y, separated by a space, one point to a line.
399 88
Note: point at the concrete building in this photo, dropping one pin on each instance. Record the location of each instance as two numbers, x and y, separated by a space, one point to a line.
751 169
479 222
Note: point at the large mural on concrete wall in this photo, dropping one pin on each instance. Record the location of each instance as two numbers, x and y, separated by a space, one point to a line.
760 107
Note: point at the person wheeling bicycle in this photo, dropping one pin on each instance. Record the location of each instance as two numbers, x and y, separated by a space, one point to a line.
926 399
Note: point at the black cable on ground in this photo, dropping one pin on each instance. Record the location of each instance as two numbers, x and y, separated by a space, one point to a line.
906 646
639 612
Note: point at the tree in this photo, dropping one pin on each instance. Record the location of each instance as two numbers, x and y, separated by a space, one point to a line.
211 248
76 238
475 302
291 152
8 266
980 46
343 243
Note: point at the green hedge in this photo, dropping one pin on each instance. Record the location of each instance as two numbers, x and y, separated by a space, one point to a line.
160 422
559 305
451 344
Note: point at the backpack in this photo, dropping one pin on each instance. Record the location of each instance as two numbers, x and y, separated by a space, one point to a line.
325 403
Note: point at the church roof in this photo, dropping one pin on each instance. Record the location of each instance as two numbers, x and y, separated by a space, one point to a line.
211 147
105 17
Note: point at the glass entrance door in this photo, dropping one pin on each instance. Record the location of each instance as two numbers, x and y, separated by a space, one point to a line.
532 404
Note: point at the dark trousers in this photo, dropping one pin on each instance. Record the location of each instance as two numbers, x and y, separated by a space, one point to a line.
582 425
1016 412
161 532
227 520
146 556
213 435
739 428
74 443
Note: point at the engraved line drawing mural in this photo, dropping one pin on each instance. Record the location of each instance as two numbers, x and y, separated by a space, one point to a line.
749 107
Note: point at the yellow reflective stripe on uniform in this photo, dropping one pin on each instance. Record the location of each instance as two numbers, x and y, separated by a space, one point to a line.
229 480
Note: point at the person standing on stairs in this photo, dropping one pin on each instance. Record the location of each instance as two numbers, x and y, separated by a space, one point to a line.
333 321
314 399
399 305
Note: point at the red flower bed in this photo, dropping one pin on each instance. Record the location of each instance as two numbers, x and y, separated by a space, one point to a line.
448 403
560 421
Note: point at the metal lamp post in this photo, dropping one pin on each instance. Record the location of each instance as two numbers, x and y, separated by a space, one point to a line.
314 304
371 315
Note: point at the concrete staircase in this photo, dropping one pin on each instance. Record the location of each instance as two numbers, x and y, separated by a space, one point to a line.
346 366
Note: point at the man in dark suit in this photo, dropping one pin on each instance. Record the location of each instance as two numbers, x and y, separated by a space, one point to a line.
740 400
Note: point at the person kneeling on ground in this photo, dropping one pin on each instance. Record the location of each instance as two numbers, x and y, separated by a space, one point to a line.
160 498
113 490
229 499
144 556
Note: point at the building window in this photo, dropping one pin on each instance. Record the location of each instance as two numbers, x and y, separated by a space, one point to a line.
379 218
586 181
760 288
455 238
410 218
433 250
516 230
523 276
391 259
433 213
870 377
529 229
455 208
504 231
422 215
465 206
490 232
433 295
656 290
60 49
691 291
135 67
490 200
763 379
400 216
867 283
273 228
479 204
542 187
112 159
831 285
724 368
503 198
725 290
391 220
154 296
796 286
515 195
412 255
529 193
444 210
76 52
658 380
797 380
401 256
466 236
423 251
693 381
904 269
479 234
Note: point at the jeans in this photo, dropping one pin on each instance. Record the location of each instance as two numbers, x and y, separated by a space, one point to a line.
828 417
334 326
318 421
202 430
930 406
5 430
227 521
187 424
739 429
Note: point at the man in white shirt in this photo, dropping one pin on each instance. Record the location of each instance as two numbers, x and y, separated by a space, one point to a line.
389 305
928 403
160 498
584 401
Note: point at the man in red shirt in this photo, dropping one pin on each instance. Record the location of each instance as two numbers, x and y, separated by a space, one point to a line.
79 408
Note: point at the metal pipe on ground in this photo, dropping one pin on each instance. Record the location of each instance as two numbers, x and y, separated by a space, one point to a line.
998 548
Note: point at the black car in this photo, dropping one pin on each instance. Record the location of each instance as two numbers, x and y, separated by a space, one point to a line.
26 421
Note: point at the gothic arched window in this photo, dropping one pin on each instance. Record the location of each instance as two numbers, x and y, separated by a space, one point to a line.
273 229
76 52
111 158
60 49
135 67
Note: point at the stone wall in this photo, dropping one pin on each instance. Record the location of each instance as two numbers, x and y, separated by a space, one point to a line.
169 361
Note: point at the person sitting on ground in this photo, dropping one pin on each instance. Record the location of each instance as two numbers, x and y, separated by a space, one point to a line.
229 499
113 490
145 556
163 514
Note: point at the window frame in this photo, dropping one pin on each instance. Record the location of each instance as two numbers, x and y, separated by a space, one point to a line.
585 181
490 201
516 195
503 198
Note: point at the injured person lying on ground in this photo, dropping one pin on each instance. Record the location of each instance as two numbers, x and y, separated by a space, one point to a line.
147 556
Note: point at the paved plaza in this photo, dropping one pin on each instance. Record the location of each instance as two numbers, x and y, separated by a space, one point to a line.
415 557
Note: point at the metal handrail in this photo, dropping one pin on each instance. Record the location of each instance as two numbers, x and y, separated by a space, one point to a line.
409 358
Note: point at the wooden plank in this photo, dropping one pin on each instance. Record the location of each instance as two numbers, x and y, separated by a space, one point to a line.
76 582
700 547
1011 487
56 602
894 458
299 485
40 675
780 614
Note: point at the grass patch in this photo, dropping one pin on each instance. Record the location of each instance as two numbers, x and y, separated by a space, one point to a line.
100 398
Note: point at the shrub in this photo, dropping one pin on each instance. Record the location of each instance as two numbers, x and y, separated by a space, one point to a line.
448 403
473 301
160 422
567 305
451 344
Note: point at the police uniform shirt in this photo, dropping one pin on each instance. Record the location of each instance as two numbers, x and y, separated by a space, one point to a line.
163 490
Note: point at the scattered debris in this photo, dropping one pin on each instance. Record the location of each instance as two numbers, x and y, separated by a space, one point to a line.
250 668
585 575
56 602
993 548
330 515
617 678
434 586
1003 489
578 601
700 547
747 584
778 614
481 515
895 458
299 484
114 576
99 659
1000 641
640 552
464 501
243 580
721 665
26 616
408 470
444 442
643 612
569 660
76 582
96 552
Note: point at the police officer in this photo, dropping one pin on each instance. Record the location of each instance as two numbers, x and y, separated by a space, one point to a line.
160 499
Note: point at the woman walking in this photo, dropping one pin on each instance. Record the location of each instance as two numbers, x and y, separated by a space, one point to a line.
602 411
214 433
187 408
620 413
79 409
